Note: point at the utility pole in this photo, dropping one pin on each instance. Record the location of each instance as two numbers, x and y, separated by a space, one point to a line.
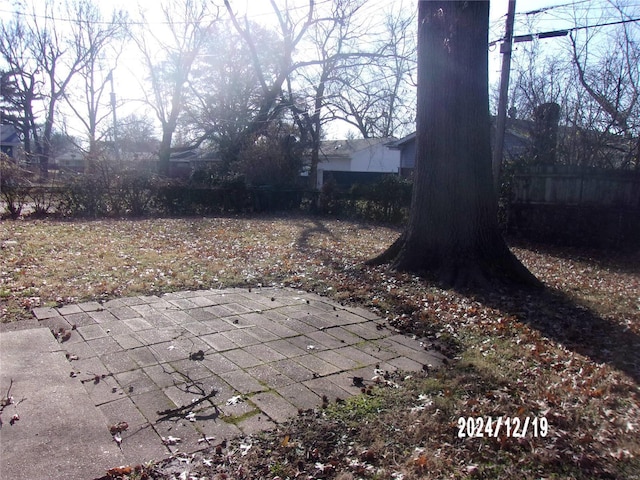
501 121
115 125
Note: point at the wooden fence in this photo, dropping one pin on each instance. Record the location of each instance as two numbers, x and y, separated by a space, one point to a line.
577 205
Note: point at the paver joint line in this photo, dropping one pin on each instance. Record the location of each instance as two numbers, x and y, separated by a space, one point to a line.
171 362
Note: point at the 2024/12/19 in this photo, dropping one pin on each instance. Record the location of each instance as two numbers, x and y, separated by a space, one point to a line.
479 427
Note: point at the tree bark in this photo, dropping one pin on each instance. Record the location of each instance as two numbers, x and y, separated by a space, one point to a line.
453 229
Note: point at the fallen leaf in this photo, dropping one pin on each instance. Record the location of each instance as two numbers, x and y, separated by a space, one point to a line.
235 400
171 440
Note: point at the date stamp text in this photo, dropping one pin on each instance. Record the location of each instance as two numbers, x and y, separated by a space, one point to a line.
496 427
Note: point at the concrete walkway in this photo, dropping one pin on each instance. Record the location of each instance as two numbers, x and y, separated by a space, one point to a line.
136 379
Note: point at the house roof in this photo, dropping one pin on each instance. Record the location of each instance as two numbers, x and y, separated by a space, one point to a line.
346 148
8 135
519 130
398 144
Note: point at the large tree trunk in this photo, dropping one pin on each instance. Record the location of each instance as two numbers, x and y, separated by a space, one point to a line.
453 230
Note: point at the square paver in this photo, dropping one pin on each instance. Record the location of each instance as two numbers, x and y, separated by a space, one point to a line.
143 356
323 387
340 361
307 344
90 332
118 362
158 320
265 353
242 381
81 350
123 410
90 306
218 429
377 350
300 396
358 355
142 444
168 352
158 335
218 363
203 301
124 313
242 337
189 394
105 345
242 358
135 382
199 328
218 325
80 319
115 328
192 369
127 341
102 389
163 375
217 311
325 339
69 309
150 403
219 342
137 324
293 370
269 376
317 365
42 313
102 316
368 331
182 303
256 424
345 336
87 367
286 348
407 364
275 406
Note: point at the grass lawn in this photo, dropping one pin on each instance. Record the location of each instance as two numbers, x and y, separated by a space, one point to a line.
570 354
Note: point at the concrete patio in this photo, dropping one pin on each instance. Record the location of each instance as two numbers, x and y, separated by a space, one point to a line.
135 379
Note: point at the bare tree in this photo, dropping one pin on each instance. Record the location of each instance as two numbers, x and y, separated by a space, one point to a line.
225 93
302 84
188 23
99 43
607 65
378 96
335 41
20 84
57 64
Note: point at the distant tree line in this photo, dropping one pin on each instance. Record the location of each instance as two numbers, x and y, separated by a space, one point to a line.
214 78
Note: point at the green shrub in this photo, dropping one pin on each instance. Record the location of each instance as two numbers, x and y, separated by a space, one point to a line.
14 186
85 196
387 200
137 190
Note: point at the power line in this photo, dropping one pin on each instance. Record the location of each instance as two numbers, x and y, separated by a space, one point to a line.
564 32
551 7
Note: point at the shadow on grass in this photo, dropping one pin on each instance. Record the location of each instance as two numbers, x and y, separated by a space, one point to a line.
576 327
310 229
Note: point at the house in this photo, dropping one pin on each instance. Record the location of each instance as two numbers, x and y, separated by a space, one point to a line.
71 159
407 148
184 162
347 162
9 140
517 141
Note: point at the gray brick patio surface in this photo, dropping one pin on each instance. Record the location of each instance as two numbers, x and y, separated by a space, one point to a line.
207 365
